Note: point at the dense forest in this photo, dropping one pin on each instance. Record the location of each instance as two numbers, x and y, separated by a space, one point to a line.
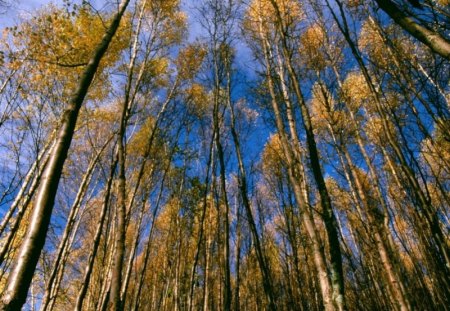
225 155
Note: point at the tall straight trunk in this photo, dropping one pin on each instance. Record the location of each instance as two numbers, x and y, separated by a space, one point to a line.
29 185
20 278
132 254
224 196
96 241
439 116
61 270
147 250
296 178
209 166
395 286
115 303
63 245
243 188
237 301
21 203
290 219
329 219
373 215
206 286
176 290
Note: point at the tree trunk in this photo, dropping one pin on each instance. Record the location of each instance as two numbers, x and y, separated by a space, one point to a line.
96 241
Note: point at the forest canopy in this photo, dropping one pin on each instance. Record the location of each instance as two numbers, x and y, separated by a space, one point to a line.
225 155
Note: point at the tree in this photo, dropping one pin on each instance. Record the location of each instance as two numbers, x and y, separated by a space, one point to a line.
20 278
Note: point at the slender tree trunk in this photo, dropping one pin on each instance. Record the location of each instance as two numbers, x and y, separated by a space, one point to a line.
224 196
337 277
202 223
296 180
242 184
27 190
208 244
147 251
423 200
63 245
237 301
22 203
96 241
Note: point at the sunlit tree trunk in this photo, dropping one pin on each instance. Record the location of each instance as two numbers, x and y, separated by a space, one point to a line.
295 179
64 247
337 277
96 241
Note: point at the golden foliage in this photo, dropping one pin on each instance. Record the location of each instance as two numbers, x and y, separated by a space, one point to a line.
324 113
353 3
139 142
355 90
155 72
321 104
174 28
375 130
60 44
263 12
312 41
190 60
436 152
341 197
168 214
169 20
198 99
372 41
272 156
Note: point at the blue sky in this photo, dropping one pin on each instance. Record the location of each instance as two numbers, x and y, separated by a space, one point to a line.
17 9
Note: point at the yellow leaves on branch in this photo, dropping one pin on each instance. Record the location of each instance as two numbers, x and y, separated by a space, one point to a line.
190 60
168 215
321 106
372 41
139 142
341 197
353 3
272 156
265 13
169 21
60 44
174 28
162 8
443 3
375 130
436 153
155 72
312 40
355 90
198 99
324 114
